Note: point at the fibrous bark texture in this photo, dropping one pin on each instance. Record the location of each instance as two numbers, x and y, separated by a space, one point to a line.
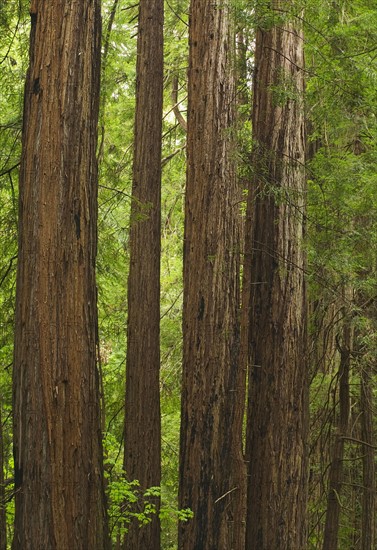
277 400
57 436
142 456
211 462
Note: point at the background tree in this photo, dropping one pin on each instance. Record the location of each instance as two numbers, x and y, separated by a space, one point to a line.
342 251
57 431
14 21
368 519
330 537
277 402
211 464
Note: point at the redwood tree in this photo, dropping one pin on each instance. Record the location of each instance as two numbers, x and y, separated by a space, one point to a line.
57 436
211 462
142 454
277 400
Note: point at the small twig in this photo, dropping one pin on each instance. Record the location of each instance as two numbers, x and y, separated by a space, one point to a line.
226 494
8 269
177 14
165 160
359 441
118 191
9 170
174 97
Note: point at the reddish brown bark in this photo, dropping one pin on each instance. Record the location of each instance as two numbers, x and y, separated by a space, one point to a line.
211 463
274 258
57 431
142 456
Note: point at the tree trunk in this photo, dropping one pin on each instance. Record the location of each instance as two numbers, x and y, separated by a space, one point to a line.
57 437
278 401
142 458
368 526
330 537
211 462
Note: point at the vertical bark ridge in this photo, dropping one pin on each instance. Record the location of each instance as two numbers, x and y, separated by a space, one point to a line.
58 442
142 455
278 401
211 468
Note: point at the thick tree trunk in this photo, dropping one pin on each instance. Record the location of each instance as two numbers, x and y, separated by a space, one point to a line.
278 401
330 537
57 436
211 463
142 458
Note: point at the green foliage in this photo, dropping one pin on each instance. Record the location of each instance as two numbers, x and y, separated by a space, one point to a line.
342 236
341 102
115 154
14 30
127 502
284 90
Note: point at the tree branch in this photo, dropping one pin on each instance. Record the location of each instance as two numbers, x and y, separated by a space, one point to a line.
174 97
9 170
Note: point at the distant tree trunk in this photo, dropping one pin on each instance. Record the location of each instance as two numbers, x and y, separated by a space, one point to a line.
330 537
59 500
278 401
368 527
211 462
142 457
3 519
